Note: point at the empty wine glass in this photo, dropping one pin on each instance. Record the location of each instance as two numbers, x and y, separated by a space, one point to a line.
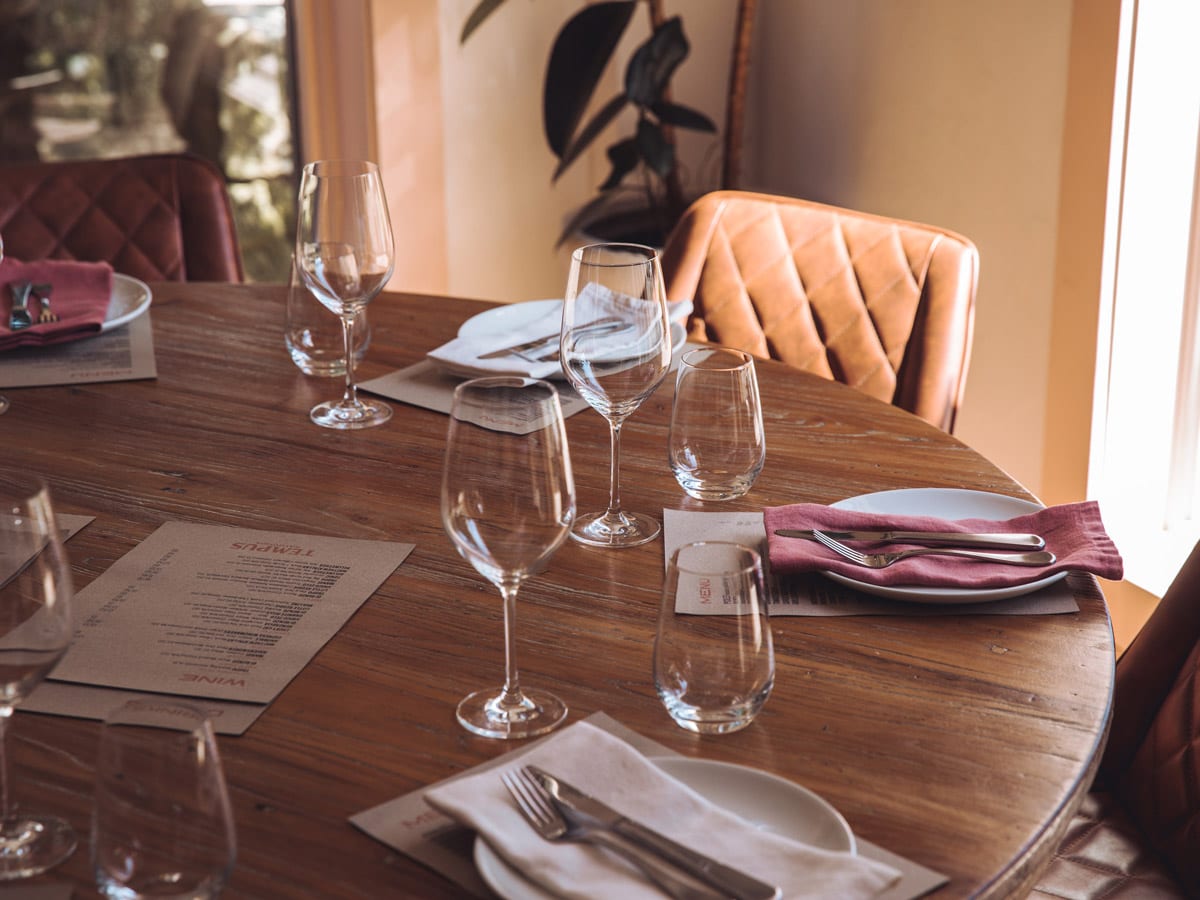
615 368
35 629
345 254
508 500
162 824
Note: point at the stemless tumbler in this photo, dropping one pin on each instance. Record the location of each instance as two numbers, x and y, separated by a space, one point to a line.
714 664
716 445
162 825
313 336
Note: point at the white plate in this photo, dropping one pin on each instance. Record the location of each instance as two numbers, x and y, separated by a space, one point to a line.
130 298
944 503
767 801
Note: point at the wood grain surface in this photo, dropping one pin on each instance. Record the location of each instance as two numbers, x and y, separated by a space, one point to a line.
961 742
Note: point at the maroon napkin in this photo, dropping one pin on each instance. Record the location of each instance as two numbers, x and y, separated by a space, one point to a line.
1074 533
80 297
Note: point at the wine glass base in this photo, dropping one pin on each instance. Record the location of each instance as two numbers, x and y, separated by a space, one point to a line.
622 529
345 416
487 714
33 844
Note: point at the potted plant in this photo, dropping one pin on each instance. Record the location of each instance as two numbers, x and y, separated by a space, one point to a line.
642 197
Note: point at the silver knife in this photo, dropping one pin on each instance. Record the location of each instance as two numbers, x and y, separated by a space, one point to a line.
936 538
600 326
725 878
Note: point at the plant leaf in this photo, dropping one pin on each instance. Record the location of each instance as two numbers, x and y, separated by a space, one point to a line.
652 64
682 116
624 156
484 9
586 214
654 148
588 133
578 58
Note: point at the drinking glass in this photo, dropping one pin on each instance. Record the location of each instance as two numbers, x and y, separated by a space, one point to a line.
508 501
345 254
714 663
715 444
615 349
35 630
313 337
162 825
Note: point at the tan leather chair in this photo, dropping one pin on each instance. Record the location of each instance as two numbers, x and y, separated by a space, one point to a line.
1137 833
883 305
158 218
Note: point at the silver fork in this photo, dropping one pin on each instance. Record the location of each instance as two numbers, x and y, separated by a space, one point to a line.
554 823
20 317
883 560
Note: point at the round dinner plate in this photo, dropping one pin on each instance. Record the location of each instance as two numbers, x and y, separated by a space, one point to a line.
130 298
944 503
767 801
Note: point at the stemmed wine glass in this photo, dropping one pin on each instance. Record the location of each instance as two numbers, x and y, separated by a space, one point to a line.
615 368
508 500
35 630
345 254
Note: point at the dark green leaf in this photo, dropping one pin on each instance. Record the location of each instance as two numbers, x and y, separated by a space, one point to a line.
624 156
588 133
484 9
594 209
682 116
580 53
653 63
654 148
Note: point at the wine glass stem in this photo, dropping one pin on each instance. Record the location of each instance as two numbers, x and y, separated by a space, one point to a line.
5 808
350 397
512 682
614 472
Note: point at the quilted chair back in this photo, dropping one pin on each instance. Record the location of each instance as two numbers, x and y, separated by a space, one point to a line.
1138 831
158 218
883 305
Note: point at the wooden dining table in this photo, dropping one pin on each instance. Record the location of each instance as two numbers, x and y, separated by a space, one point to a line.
961 742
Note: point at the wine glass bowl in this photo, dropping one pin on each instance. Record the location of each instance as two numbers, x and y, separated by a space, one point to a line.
345 255
615 349
508 501
35 631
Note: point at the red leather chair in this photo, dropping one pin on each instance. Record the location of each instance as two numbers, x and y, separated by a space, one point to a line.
1137 833
883 305
158 218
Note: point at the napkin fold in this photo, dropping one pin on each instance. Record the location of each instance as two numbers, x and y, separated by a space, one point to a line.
610 769
80 297
1074 533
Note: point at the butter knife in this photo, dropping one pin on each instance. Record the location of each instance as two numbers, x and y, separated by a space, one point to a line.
600 326
937 538
725 878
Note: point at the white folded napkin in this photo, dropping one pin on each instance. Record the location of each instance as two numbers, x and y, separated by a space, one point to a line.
611 770
461 355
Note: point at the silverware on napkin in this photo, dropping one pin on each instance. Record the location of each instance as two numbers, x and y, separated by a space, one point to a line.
883 560
955 538
600 326
20 317
725 878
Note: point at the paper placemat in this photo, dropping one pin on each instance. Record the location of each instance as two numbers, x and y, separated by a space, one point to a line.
424 384
411 826
123 354
814 595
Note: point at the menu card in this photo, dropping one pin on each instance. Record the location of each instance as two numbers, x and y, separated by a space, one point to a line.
215 612
814 595
122 354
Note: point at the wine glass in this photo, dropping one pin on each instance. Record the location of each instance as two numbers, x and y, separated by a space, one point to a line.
508 500
35 630
615 349
345 254
162 823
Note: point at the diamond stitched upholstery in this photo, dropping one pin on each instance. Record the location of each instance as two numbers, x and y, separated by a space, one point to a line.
158 218
883 305
1138 834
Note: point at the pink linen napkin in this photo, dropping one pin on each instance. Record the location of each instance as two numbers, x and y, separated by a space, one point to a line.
80 297
1074 533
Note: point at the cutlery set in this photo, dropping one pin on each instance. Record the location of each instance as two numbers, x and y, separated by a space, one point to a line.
948 543
21 316
536 350
559 812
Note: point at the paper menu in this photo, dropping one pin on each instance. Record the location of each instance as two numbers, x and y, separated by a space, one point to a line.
220 612
122 354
